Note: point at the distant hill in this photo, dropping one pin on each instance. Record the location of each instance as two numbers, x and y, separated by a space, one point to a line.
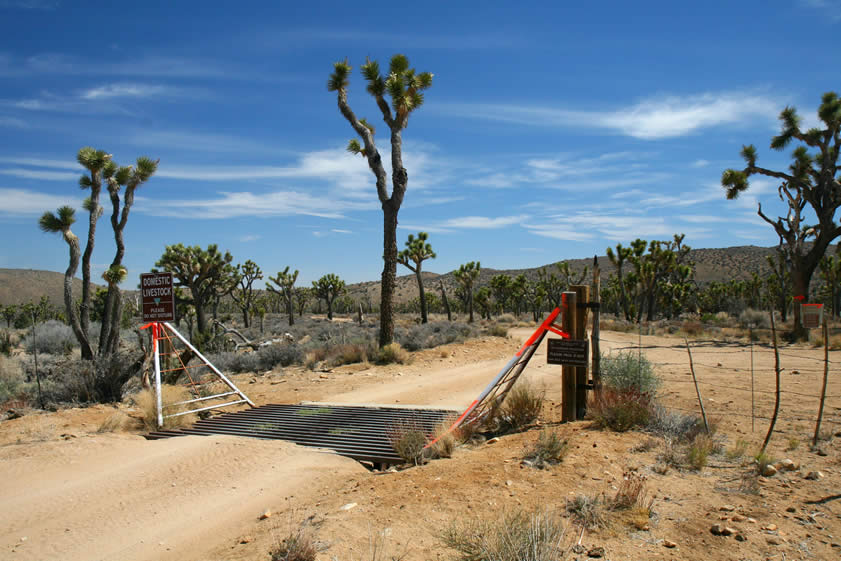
18 286
25 285
710 265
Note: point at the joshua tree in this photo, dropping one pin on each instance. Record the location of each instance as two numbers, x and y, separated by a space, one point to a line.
502 289
204 272
61 221
285 282
130 177
417 251
243 292
404 86
10 312
812 179
466 275
302 297
618 259
328 288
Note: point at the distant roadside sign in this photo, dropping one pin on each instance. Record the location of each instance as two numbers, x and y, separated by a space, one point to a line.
157 296
811 315
568 352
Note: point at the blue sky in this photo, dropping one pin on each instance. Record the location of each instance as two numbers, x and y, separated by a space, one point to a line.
551 131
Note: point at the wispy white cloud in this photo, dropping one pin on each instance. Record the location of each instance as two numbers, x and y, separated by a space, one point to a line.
40 174
249 238
341 231
41 163
13 123
25 202
830 8
466 223
651 119
231 205
110 91
163 66
700 164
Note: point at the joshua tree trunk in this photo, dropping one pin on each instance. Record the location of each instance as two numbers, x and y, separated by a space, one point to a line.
72 317
446 302
389 275
422 296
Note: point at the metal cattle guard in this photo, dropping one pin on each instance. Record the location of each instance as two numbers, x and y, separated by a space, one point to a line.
494 394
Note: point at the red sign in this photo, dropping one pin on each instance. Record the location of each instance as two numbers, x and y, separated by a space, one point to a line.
158 297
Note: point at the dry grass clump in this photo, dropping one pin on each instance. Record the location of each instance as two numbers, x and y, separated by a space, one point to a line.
549 449
393 353
699 451
738 450
115 422
521 407
621 411
516 536
298 545
588 511
409 440
147 403
445 440
633 501
497 330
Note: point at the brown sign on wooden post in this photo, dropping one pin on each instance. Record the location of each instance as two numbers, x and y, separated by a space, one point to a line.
567 352
158 297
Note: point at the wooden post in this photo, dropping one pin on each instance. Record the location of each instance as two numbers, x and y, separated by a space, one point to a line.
596 359
777 397
582 297
697 391
825 376
568 380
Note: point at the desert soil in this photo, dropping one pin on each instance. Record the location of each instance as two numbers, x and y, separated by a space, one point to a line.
69 492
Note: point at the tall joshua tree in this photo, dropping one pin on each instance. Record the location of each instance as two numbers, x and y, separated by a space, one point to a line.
99 165
812 179
285 282
243 291
417 251
328 288
404 86
130 177
466 275
61 221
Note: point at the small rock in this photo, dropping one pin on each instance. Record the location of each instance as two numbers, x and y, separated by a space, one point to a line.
751 520
740 537
717 529
791 509
323 376
728 531
578 548
821 452
246 539
508 482
787 465
348 506
769 471
770 527
493 440
265 515
775 540
669 543
814 475
596 552
727 508
738 518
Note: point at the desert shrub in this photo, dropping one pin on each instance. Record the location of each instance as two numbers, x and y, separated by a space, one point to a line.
692 327
284 355
234 362
699 451
392 353
113 423
549 449
445 440
497 330
620 411
588 511
762 461
12 385
506 318
674 425
7 342
670 456
754 318
298 545
409 441
146 402
521 407
629 371
516 536
53 337
632 500
433 334
738 450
